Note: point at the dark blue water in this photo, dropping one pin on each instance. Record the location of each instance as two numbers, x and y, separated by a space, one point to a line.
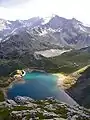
39 85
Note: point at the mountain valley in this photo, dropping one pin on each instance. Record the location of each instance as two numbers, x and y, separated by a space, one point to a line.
59 47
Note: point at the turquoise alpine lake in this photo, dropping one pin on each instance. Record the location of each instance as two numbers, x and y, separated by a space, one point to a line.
39 85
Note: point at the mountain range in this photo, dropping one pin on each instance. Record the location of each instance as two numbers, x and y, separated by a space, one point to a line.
21 39
43 33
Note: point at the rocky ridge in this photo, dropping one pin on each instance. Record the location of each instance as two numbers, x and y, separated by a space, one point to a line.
32 35
25 108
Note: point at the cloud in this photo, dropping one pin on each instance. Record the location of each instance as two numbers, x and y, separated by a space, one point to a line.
25 9
11 3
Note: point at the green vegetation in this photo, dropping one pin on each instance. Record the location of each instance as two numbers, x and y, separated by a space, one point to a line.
62 111
3 81
71 61
19 108
1 96
66 63
4 114
41 109
8 66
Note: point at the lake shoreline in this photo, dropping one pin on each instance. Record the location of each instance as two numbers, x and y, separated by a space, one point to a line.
11 81
19 79
16 79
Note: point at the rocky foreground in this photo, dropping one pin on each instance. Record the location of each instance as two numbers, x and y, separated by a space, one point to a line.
25 108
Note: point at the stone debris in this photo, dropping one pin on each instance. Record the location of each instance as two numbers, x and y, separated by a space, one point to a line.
48 109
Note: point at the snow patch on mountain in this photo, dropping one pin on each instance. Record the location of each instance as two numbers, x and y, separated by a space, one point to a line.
47 19
0 39
44 32
14 31
50 53
82 28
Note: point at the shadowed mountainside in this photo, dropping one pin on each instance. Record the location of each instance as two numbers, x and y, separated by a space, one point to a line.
80 91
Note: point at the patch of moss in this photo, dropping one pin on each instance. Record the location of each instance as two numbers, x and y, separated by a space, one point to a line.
4 114
62 111
19 108
40 115
1 96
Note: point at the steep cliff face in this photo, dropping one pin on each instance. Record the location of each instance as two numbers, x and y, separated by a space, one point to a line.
80 91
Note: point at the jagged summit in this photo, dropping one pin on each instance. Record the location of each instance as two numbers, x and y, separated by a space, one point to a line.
36 34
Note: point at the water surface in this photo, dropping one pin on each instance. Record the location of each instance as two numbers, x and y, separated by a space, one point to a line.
39 85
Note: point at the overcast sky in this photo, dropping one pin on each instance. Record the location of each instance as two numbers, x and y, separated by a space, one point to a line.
24 9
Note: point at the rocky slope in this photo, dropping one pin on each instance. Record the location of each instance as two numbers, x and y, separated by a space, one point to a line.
25 108
77 85
80 91
10 27
34 34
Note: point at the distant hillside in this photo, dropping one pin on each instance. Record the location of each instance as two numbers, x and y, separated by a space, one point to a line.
67 62
71 61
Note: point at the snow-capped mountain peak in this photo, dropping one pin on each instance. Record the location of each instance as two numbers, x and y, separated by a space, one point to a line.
58 30
47 19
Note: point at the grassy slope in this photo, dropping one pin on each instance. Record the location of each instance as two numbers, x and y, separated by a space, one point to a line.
70 62
66 63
